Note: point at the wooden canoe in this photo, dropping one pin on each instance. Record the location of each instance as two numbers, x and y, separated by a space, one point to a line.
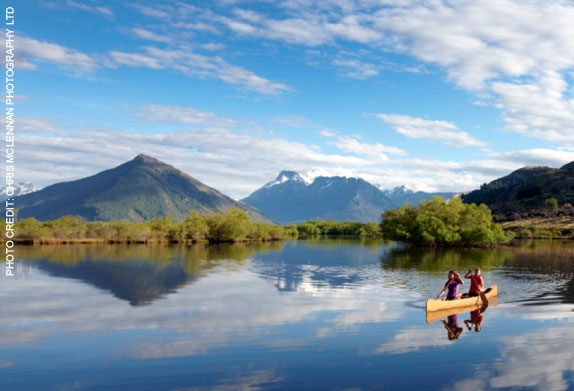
439 304
432 316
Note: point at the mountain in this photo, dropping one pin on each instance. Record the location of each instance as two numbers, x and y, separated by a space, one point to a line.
523 192
291 199
400 194
20 189
138 190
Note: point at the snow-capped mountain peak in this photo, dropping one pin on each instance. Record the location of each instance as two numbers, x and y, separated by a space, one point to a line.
19 189
396 191
286 176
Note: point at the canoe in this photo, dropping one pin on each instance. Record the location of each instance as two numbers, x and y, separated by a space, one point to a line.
432 316
439 304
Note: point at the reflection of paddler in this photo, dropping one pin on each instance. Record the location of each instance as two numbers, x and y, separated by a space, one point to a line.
476 318
433 316
452 327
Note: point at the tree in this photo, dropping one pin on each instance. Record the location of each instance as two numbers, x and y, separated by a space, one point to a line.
159 227
551 203
31 228
443 223
194 226
234 225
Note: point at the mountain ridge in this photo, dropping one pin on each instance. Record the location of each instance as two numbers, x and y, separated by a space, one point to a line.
523 192
138 190
291 199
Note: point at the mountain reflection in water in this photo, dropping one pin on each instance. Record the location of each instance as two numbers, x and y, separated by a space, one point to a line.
305 315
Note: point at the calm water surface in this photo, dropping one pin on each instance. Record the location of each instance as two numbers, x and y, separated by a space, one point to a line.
306 315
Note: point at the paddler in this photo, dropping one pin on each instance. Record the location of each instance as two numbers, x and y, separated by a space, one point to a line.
451 286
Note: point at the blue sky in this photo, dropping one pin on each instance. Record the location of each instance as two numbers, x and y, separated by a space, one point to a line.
429 94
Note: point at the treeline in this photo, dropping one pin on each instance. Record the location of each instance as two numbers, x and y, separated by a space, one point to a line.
339 228
534 232
443 223
233 226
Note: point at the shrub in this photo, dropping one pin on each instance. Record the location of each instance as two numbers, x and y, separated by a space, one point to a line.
443 223
551 203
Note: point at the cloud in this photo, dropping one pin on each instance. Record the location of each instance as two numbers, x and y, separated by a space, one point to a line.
238 161
187 62
356 69
413 339
191 329
37 125
294 121
106 11
31 51
418 128
477 42
149 35
249 381
157 12
212 155
328 134
538 156
539 108
376 153
484 47
535 360
186 115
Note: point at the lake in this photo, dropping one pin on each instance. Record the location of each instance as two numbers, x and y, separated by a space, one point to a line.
325 314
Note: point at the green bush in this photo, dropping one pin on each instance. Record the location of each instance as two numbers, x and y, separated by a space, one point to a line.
443 223
551 203
308 229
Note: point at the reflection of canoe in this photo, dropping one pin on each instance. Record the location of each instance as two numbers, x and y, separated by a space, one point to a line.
431 316
437 304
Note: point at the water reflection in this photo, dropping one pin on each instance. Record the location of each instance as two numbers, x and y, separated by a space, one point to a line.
542 359
441 260
138 274
528 272
303 315
452 327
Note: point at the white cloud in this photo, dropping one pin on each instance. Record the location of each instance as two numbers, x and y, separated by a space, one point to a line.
484 47
106 11
376 153
536 360
480 41
328 134
156 12
239 162
31 51
235 163
538 108
184 60
538 157
414 339
149 35
418 128
186 115
356 69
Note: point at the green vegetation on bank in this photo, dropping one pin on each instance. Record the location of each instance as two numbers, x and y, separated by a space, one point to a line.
232 226
434 223
339 228
443 223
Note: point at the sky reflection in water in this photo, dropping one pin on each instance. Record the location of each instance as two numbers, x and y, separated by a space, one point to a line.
335 315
